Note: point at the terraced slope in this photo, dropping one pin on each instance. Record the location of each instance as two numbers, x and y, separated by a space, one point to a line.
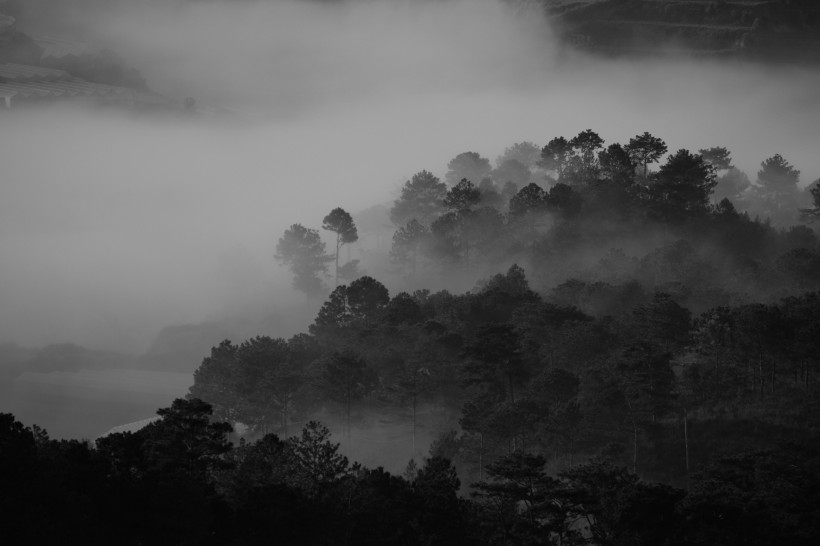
768 30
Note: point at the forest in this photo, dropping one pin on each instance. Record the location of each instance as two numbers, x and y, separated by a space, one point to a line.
639 366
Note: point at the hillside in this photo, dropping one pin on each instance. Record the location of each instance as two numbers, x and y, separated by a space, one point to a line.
760 30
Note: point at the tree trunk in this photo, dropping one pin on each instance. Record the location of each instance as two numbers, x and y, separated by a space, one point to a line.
774 368
634 436
634 448
336 271
481 459
686 443
414 424
348 415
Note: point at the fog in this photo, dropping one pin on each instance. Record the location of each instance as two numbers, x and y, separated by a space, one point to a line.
113 226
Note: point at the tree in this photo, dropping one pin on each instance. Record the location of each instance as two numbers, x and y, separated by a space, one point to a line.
185 439
777 177
507 191
681 188
513 171
777 190
616 164
619 509
555 156
802 267
731 185
663 323
519 498
719 158
563 198
467 165
446 238
366 297
586 144
442 518
462 196
812 214
480 230
404 309
421 198
489 194
269 378
216 381
334 313
18 451
496 354
555 390
531 198
526 153
304 252
645 149
760 497
407 243
413 382
318 462
346 378
340 223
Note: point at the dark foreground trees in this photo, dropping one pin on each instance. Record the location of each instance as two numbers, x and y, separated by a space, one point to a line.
178 481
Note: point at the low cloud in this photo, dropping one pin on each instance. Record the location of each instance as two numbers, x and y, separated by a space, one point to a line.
113 226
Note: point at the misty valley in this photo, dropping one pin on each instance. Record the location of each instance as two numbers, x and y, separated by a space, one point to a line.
413 272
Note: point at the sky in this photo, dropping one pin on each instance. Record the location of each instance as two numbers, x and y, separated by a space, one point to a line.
113 226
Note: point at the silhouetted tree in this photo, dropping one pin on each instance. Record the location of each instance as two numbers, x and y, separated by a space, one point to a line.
467 165
414 381
531 198
616 164
185 439
586 145
564 199
340 223
303 251
777 192
495 356
270 377
318 462
681 188
777 177
366 297
490 197
526 153
719 158
462 196
346 378
520 500
407 244
555 156
422 199
334 314
216 381
646 149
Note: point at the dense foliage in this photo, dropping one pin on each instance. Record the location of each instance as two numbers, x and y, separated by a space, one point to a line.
646 375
